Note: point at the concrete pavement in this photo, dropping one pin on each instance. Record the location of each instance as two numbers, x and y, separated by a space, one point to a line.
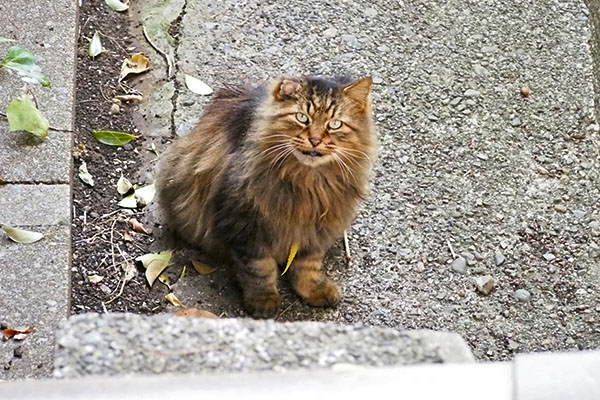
34 278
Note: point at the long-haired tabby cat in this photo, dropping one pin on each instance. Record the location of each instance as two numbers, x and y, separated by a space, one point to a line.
282 164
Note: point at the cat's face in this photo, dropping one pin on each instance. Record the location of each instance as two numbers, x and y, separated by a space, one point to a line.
321 122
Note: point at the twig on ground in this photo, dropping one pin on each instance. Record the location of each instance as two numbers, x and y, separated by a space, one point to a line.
162 53
451 249
286 310
347 246
104 308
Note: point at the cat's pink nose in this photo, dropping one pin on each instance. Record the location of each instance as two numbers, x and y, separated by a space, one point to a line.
315 140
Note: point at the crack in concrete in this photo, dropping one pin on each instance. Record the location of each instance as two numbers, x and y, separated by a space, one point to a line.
178 85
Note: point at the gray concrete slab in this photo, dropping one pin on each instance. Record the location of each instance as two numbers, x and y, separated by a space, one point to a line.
25 158
466 160
50 33
115 344
34 291
26 205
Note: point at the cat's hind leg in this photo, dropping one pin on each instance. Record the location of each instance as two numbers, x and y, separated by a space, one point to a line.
309 281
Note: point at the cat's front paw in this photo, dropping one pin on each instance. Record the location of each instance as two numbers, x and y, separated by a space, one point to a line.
326 294
263 305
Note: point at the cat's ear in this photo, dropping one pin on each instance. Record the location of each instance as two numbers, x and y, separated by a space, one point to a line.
359 91
285 88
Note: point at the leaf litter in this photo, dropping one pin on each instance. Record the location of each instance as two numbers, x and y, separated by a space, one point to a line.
136 64
21 235
155 264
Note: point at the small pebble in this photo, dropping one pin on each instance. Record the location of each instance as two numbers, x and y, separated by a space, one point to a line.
3 326
522 295
330 32
516 122
549 256
189 102
525 91
499 259
472 93
370 12
485 284
18 352
115 109
482 156
459 265
454 102
377 80
561 208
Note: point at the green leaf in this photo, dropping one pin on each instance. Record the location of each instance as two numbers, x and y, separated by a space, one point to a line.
22 61
155 264
20 235
117 5
145 195
113 138
23 116
95 45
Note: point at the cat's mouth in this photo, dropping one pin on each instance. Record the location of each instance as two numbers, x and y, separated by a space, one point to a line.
312 153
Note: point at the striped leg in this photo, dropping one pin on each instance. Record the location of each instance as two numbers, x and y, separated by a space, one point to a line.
309 281
258 279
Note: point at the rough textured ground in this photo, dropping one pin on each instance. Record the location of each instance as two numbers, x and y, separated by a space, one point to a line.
467 165
117 344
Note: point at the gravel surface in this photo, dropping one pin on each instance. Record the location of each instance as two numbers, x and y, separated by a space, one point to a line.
112 344
488 164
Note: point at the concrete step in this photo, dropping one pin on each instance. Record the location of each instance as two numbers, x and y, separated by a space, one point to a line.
115 344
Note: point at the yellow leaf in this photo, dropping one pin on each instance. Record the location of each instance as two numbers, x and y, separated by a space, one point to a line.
203 268
183 272
173 300
137 64
293 251
164 278
155 263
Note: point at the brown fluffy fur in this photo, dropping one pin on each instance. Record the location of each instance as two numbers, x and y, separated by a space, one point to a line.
240 185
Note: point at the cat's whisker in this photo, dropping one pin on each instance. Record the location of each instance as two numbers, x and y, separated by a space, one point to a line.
348 157
347 169
354 152
337 160
273 149
281 157
275 136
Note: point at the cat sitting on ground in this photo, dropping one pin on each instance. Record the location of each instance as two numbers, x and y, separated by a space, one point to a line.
281 165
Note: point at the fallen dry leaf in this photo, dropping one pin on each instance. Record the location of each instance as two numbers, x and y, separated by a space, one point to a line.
10 333
137 64
155 264
202 268
127 237
139 227
173 300
95 278
191 312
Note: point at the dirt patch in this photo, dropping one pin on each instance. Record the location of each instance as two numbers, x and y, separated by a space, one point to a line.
102 236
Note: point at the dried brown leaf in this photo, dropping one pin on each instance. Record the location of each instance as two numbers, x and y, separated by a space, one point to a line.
202 268
139 227
10 333
137 64
191 312
173 300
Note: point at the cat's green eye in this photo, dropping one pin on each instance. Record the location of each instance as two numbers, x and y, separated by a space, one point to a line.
335 124
301 118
